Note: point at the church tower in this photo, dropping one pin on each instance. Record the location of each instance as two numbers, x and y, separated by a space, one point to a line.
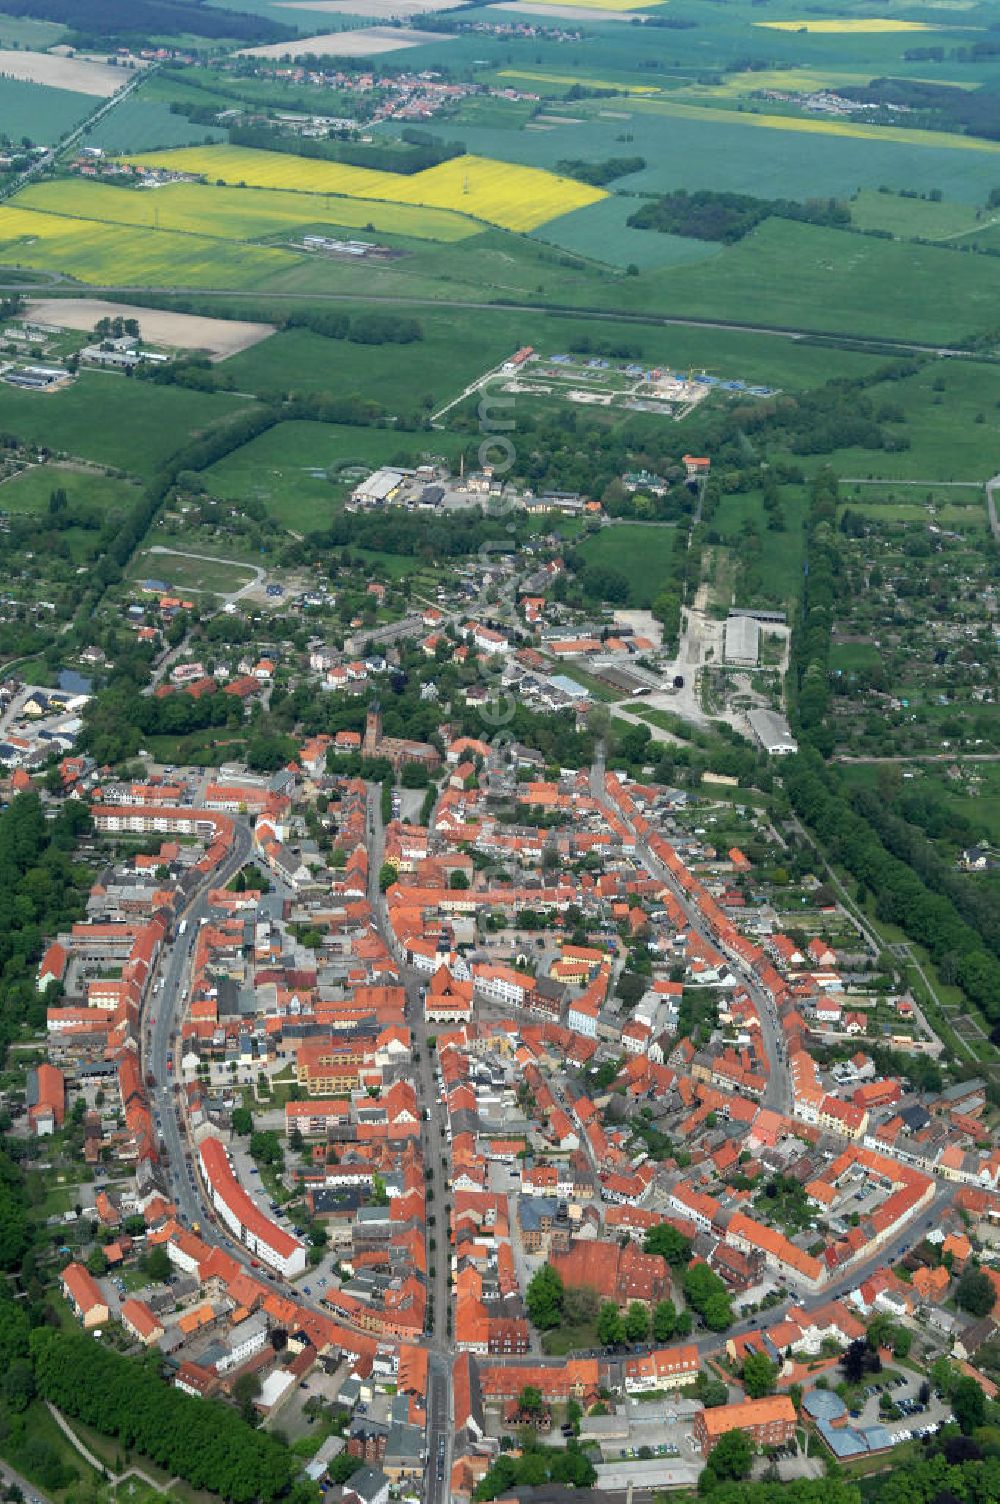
373 730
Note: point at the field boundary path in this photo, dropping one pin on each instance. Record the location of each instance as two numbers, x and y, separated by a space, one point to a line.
95 1462
991 505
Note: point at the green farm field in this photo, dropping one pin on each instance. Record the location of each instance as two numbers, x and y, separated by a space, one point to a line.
41 113
286 467
30 491
600 233
800 276
140 123
702 145
130 425
640 551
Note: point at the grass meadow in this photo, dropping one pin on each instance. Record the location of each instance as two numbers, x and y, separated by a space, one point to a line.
130 425
30 491
641 551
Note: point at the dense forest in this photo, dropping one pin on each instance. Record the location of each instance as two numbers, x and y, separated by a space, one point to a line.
599 173
105 21
727 217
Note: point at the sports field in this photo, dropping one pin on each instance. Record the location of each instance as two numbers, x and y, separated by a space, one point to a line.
238 213
110 254
499 193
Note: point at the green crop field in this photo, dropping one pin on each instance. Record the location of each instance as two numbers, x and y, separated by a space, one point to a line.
131 425
140 123
30 491
640 551
288 467
800 276
39 112
600 232
690 145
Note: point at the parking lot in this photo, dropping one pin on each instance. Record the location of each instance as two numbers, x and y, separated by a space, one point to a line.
917 1416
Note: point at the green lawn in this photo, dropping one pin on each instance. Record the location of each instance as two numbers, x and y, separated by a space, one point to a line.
640 551
131 425
35 1446
455 349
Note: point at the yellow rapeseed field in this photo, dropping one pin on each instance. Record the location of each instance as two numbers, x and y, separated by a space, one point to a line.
833 28
499 193
237 213
111 254
902 135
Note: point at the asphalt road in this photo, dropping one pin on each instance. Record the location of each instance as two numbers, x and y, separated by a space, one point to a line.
166 1007
439 1400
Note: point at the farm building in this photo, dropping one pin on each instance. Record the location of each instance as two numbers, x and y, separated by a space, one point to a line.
773 733
742 640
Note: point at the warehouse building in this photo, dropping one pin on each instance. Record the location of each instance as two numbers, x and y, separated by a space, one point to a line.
772 732
742 640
